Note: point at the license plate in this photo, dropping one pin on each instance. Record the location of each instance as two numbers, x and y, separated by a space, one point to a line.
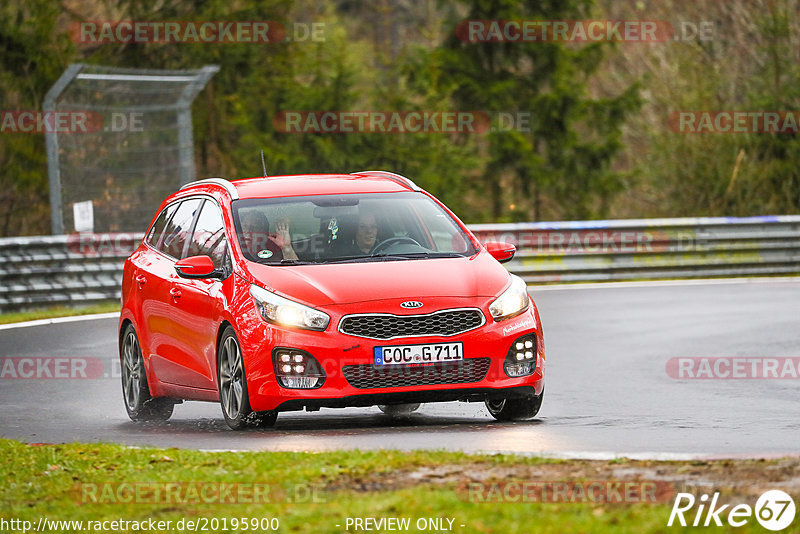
414 354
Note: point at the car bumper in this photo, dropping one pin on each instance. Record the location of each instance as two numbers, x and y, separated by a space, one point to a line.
336 351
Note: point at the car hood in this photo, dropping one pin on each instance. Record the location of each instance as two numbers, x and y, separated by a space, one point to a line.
345 283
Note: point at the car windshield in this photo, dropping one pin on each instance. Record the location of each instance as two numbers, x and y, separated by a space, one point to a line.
347 228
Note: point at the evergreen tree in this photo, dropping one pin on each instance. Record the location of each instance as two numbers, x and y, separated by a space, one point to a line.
566 154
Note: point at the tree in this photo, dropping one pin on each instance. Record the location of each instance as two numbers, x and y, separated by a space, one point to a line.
565 155
33 54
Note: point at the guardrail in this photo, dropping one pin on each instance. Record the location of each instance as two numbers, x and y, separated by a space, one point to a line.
650 248
78 268
83 268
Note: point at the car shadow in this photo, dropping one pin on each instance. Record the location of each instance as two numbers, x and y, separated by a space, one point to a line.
292 424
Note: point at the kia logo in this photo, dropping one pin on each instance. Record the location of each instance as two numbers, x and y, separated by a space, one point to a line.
411 304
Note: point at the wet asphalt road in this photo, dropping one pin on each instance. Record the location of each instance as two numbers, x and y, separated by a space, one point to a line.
608 392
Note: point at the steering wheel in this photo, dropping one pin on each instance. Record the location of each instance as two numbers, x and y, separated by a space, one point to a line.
386 243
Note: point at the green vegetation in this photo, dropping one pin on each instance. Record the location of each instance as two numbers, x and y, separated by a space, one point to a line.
745 65
565 153
58 311
597 143
315 492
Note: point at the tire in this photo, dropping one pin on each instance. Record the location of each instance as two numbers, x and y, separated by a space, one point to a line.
139 403
398 410
233 396
515 409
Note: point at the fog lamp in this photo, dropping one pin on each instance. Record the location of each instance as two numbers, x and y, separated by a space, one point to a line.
521 357
297 369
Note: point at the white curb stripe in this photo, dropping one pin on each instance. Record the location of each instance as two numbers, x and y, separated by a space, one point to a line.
58 320
532 286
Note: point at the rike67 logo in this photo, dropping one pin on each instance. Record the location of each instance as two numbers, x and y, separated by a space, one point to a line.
774 510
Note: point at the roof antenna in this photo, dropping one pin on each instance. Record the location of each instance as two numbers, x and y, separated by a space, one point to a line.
263 165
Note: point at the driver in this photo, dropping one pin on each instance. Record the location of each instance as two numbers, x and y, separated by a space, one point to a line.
366 236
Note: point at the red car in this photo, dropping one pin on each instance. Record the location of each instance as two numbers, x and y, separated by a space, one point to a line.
300 292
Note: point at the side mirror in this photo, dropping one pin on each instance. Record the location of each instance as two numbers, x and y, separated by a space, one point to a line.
502 252
196 267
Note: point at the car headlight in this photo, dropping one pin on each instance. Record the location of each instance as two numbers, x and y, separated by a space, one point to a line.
279 310
512 302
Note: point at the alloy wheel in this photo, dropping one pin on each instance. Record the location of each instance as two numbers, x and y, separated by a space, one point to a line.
231 378
131 371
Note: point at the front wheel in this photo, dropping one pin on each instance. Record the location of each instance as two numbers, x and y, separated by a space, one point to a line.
233 394
140 405
515 409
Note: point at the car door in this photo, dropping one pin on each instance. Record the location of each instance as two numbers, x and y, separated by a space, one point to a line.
151 271
196 303
170 340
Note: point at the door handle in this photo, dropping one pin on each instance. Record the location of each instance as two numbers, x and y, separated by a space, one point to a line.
175 292
140 280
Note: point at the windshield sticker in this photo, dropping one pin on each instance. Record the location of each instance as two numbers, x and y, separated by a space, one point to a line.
333 226
264 254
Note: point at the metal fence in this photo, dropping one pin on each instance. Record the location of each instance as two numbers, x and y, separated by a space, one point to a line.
125 144
650 248
74 269
82 268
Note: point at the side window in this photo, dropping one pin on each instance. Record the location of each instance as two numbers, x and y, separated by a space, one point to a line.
208 238
177 232
160 224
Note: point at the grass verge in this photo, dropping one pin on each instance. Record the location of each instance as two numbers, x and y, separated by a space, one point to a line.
318 492
58 311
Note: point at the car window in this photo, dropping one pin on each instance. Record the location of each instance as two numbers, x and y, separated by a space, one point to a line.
441 230
399 219
208 238
177 231
158 227
323 228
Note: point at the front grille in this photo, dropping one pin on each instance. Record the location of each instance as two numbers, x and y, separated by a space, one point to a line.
390 376
386 326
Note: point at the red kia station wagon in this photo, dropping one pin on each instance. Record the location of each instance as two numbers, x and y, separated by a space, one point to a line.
287 293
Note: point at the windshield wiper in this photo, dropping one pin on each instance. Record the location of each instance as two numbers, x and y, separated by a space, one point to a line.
291 262
414 255
387 256
379 256
340 259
